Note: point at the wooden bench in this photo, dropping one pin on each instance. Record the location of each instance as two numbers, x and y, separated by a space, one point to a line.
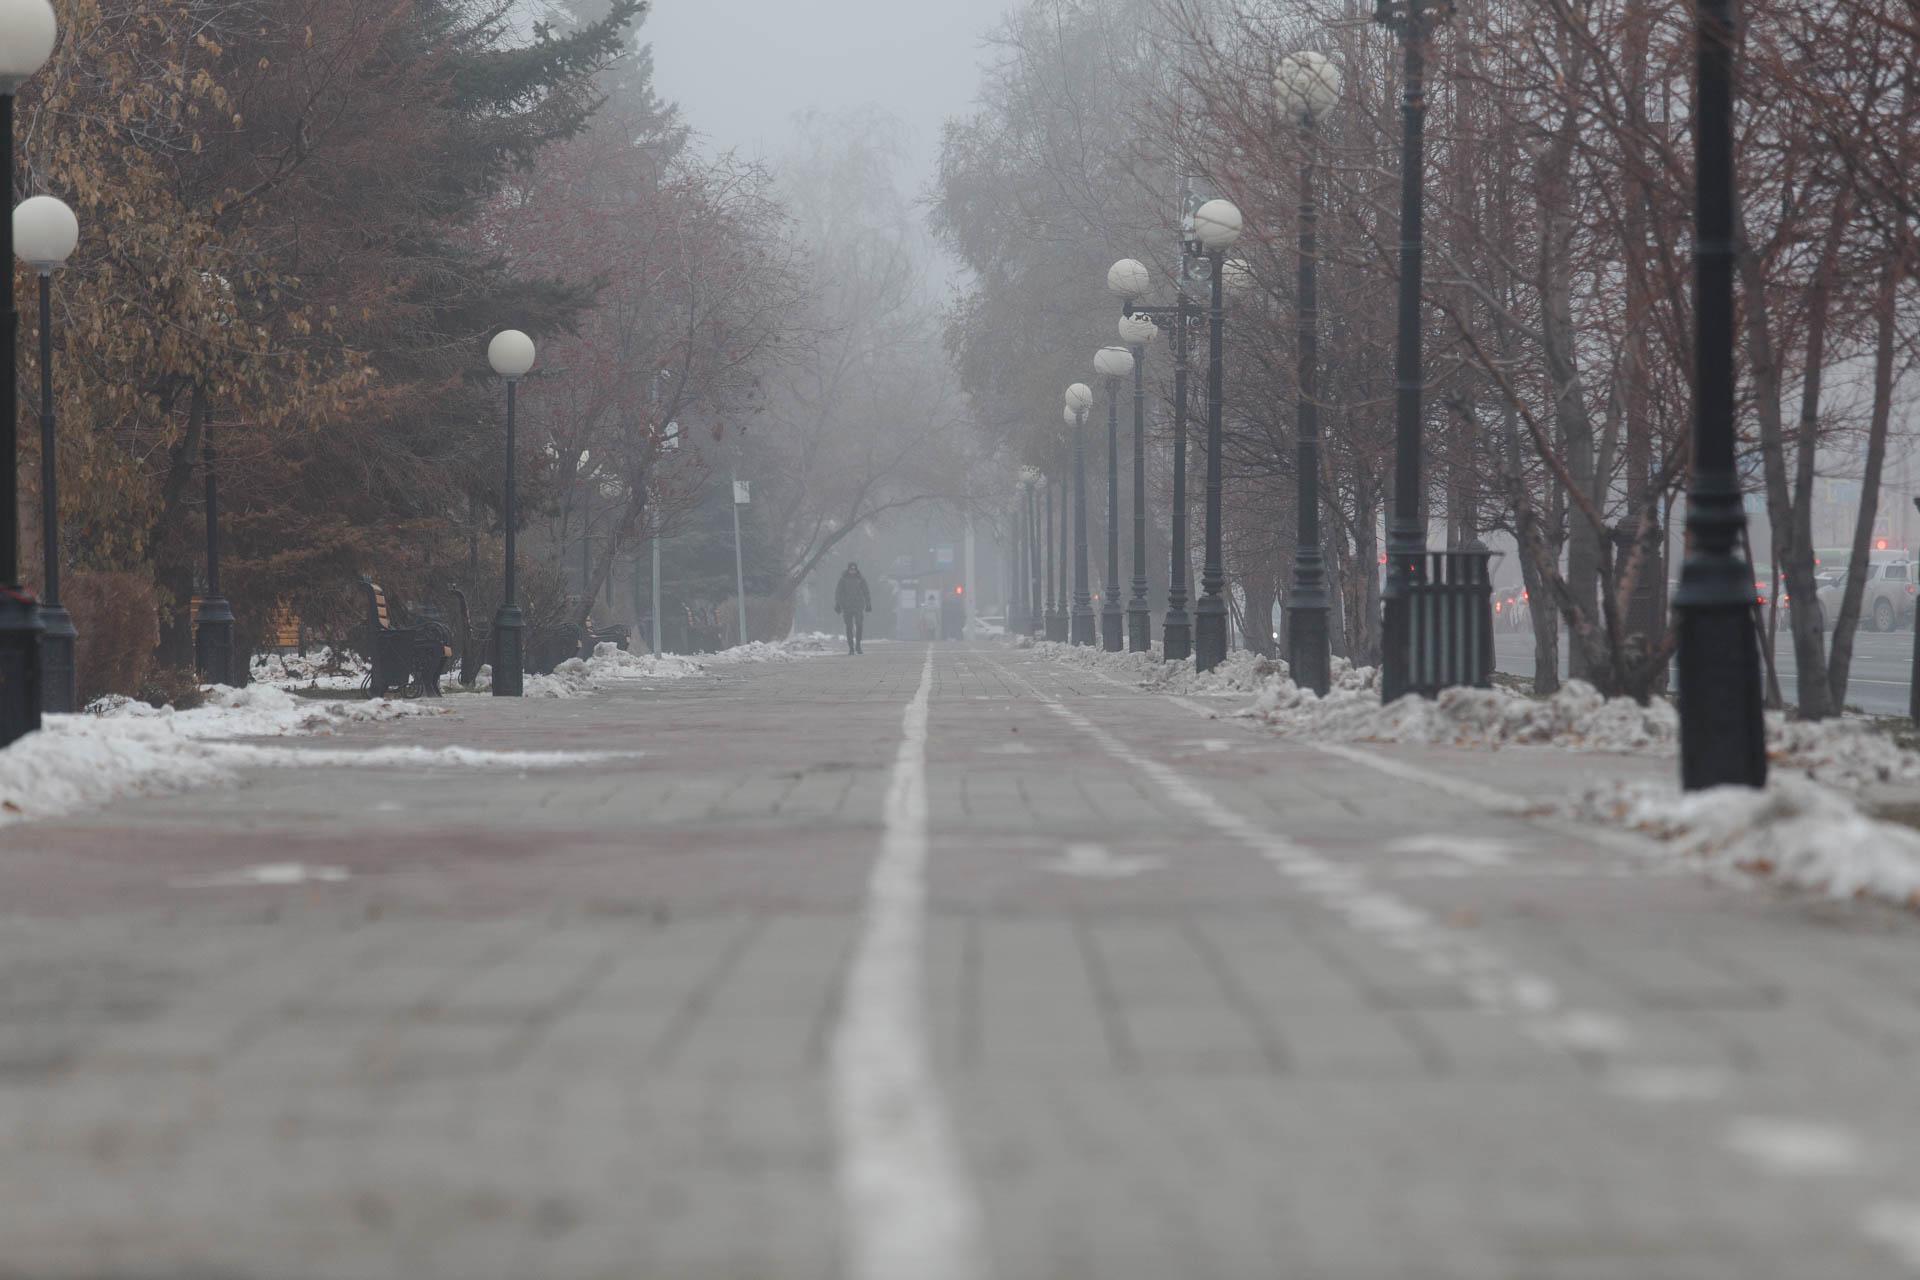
408 659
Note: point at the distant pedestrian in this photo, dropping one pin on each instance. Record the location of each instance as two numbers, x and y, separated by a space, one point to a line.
852 601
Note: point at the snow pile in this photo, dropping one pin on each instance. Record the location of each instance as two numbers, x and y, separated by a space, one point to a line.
1842 753
812 644
119 747
609 665
1578 716
321 669
1796 831
1242 672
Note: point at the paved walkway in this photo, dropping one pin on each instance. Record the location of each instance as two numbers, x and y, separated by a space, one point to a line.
933 966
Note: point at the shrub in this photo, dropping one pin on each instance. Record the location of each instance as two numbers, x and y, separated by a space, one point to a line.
118 618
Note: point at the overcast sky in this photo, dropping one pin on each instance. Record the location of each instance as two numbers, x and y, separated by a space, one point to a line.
740 69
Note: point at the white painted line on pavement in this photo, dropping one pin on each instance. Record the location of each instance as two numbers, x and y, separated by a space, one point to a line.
1475 852
909 1212
1097 862
1895 1224
1798 1148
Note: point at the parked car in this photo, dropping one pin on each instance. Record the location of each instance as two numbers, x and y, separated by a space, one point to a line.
1887 597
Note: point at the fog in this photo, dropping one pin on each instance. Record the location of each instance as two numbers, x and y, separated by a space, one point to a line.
741 69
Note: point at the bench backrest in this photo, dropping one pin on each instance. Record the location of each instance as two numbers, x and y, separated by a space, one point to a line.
377 606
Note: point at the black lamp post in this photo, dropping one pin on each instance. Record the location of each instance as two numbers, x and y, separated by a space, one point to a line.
27 35
1414 20
511 355
1080 624
1113 364
1016 571
213 638
1046 587
1307 85
1722 727
1057 628
1035 609
1216 225
44 234
1139 325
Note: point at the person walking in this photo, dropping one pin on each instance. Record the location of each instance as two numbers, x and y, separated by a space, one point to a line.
853 602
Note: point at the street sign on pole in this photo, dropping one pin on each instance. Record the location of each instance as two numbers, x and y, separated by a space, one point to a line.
739 569
741 496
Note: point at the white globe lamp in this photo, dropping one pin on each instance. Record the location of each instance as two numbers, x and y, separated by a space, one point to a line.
511 354
1216 225
1138 331
1113 362
1129 278
44 232
1306 86
27 34
1080 397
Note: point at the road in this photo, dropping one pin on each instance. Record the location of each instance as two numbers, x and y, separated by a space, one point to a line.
931 965
1878 683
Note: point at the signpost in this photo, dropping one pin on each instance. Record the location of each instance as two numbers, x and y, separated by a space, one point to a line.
741 496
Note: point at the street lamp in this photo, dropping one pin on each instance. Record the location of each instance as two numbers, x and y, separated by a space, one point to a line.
1137 332
44 234
1130 280
1723 735
1307 87
1080 624
1017 568
511 355
1057 619
27 34
1030 480
1113 364
1414 20
1216 225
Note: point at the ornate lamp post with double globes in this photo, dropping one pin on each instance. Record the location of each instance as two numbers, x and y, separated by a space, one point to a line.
27 34
1306 87
1113 364
1080 619
1216 225
44 235
511 355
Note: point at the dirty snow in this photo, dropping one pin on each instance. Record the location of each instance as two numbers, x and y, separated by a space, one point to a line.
811 644
321 669
1243 671
119 747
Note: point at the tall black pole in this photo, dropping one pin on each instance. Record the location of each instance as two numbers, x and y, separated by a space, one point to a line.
20 627
1082 621
1309 651
213 642
1406 535
1112 617
1176 626
1722 728
1210 615
1060 631
1139 616
1035 609
1017 622
1047 625
57 691
508 625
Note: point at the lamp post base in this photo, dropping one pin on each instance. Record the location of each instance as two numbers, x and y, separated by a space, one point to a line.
1309 656
1112 629
1057 627
19 665
213 641
1139 628
509 636
1082 627
1210 634
1176 636
57 691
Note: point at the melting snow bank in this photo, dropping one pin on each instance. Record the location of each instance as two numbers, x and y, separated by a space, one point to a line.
322 669
813 644
1242 672
1796 831
610 665
119 747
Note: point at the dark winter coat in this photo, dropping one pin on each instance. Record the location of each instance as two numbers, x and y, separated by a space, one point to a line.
851 595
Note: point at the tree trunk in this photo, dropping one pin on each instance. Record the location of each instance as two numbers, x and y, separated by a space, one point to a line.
1849 617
